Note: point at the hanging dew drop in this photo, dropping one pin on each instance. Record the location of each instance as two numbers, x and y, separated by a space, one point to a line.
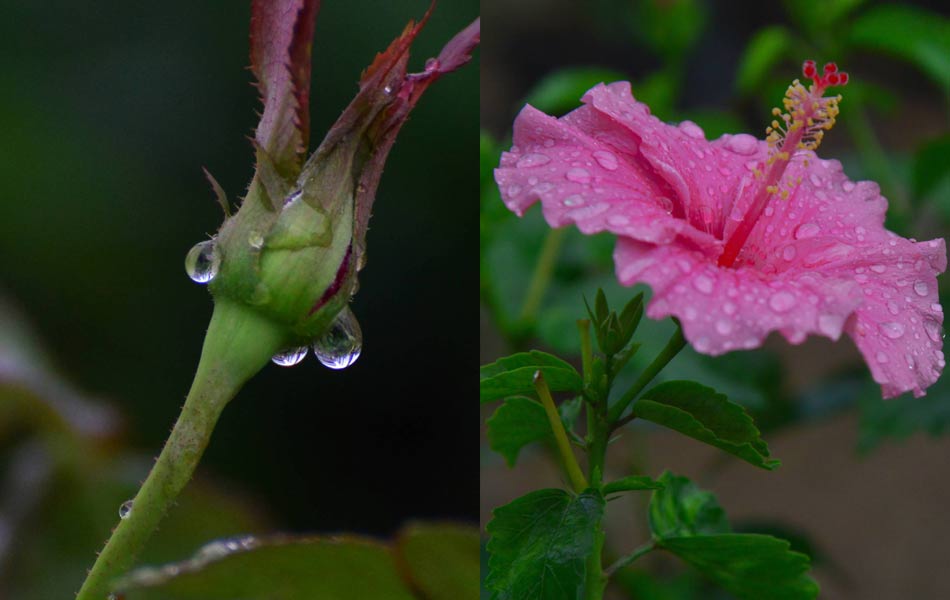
290 356
125 510
202 262
340 346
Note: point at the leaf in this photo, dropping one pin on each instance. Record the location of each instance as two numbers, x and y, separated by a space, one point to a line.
514 375
689 522
680 508
932 168
632 483
700 413
913 34
561 91
251 569
670 28
749 565
442 559
540 543
281 38
816 16
764 51
517 423
434 561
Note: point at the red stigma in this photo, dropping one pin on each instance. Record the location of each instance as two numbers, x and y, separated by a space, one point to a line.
831 76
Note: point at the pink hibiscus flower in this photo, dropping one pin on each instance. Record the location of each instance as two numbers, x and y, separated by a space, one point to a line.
738 237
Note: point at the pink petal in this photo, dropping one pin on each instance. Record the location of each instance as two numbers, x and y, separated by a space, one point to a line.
818 263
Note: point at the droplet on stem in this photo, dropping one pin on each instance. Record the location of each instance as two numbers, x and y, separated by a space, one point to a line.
202 262
290 356
125 510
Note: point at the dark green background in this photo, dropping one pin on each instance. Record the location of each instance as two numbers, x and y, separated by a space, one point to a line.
108 110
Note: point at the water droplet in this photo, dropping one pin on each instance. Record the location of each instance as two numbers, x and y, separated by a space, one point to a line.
878 268
125 510
892 307
665 203
690 313
934 329
724 327
847 186
807 230
388 90
578 175
729 308
892 330
815 180
781 301
881 357
788 253
618 220
256 240
341 345
290 356
533 160
549 143
830 325
920 288
742 143
936 307
703 284
202 262
574 200
606 159
692 130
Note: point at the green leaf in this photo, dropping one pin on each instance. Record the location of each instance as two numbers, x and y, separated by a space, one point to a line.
668 27
680 508
442 559
561 91
272 568
918 36
700 413
689 522
517 423
765 50
514 375
815 16
540 543
750 566
632 483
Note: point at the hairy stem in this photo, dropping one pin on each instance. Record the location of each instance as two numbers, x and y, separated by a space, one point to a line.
237 345
676 343
560 435
630 558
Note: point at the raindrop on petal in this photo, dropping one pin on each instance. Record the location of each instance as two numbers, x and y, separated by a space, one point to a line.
202 262
341 345
920 288
703 284
533 160
606 159
807 230
742 143
290 356
892 330
781 301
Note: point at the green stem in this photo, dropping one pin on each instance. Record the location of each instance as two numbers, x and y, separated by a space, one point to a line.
598 434
676 343
560 435
587 352
630 558
238 344
542 274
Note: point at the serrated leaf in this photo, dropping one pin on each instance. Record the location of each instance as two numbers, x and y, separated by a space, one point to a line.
750 566
561 91
633 483
680 508
514 375
540 543
515 424
442 559
913 34
281 39
764 51
700 413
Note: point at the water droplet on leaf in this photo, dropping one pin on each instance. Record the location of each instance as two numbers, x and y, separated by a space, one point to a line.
202 262
341 345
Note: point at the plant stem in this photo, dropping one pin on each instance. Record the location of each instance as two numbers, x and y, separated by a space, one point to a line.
598 434
587 352
542 273
627 560
676 343
237 345
560 435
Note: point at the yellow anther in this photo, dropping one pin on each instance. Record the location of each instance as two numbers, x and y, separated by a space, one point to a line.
784 194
